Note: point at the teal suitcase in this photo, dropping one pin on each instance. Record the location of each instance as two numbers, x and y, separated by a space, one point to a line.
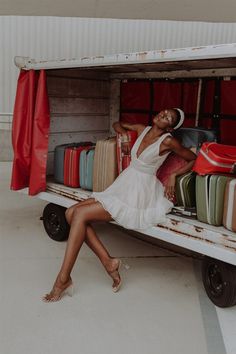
185 190
210 190
86 169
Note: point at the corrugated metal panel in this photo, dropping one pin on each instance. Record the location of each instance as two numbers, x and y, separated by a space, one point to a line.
55 38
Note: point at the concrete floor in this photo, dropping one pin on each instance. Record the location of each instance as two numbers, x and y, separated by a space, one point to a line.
161 308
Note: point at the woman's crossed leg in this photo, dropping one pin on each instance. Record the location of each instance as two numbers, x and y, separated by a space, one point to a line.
79 217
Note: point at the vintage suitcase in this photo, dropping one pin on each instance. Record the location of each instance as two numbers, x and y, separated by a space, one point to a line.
210 192
59 156
185 190
172 164
124 146
229 215
86 168
71 166
189 212
215 158
105 168
195 137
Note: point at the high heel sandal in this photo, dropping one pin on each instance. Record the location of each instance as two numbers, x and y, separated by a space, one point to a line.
114 276
69 290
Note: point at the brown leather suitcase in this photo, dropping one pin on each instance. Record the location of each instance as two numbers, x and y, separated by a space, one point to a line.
105 168
229 216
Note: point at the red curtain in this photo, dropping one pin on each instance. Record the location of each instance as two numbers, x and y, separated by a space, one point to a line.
167 94
30 132
135 95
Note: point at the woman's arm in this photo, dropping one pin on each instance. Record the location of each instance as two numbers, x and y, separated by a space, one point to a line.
175 146
121 127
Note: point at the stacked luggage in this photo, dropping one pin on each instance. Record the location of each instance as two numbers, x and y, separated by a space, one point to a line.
86 165
229 215
209 188
124 146
215 185
59 158
185 190
72 166
68 166
86 168
105 168
185 198
208 192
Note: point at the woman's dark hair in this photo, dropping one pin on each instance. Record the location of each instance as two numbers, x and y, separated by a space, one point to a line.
178 117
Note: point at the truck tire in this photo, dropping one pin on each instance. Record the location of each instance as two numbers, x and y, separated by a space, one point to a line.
55 223
219 279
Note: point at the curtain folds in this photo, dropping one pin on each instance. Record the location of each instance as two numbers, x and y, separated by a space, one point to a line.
30 131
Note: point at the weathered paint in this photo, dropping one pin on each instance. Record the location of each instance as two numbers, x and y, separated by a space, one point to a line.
179 54
216 242
173 74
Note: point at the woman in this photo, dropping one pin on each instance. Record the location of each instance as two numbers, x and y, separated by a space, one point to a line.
135 200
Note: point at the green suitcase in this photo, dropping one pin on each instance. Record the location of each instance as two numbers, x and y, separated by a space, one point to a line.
185 190
210 190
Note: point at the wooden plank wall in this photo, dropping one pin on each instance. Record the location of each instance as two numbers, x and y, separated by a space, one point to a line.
79 108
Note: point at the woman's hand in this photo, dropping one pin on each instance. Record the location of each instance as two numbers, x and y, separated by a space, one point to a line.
170 187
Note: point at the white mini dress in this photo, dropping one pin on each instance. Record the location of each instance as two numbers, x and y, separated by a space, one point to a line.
135 200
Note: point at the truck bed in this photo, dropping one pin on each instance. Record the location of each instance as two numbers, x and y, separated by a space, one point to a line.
213 241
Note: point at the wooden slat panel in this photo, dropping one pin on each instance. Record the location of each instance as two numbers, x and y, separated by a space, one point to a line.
79 105
81 123
81 73
114 102
80 88
64 138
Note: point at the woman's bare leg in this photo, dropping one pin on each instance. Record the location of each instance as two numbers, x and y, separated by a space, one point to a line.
92 240
82 215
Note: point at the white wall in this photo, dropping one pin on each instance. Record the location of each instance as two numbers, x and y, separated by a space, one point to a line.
56 37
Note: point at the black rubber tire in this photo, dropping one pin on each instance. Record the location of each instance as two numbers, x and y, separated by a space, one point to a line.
55 223
219 279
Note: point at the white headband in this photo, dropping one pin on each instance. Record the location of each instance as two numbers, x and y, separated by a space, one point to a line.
181 118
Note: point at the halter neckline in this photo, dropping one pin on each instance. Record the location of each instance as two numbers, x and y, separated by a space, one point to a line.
142 136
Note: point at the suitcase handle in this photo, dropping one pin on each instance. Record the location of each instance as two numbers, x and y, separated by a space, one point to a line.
224 155
209 144
233 169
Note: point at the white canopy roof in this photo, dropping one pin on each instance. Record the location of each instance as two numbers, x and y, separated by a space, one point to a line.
179 10
164 58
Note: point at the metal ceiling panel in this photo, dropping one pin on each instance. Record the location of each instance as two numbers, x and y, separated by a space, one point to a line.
181 10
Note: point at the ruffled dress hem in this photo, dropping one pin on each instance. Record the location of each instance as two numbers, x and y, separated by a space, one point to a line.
139 219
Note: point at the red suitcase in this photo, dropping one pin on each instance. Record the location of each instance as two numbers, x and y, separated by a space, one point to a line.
215 158
71 166
124 146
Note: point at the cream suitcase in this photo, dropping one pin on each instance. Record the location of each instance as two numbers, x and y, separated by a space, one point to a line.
229 216
105 167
